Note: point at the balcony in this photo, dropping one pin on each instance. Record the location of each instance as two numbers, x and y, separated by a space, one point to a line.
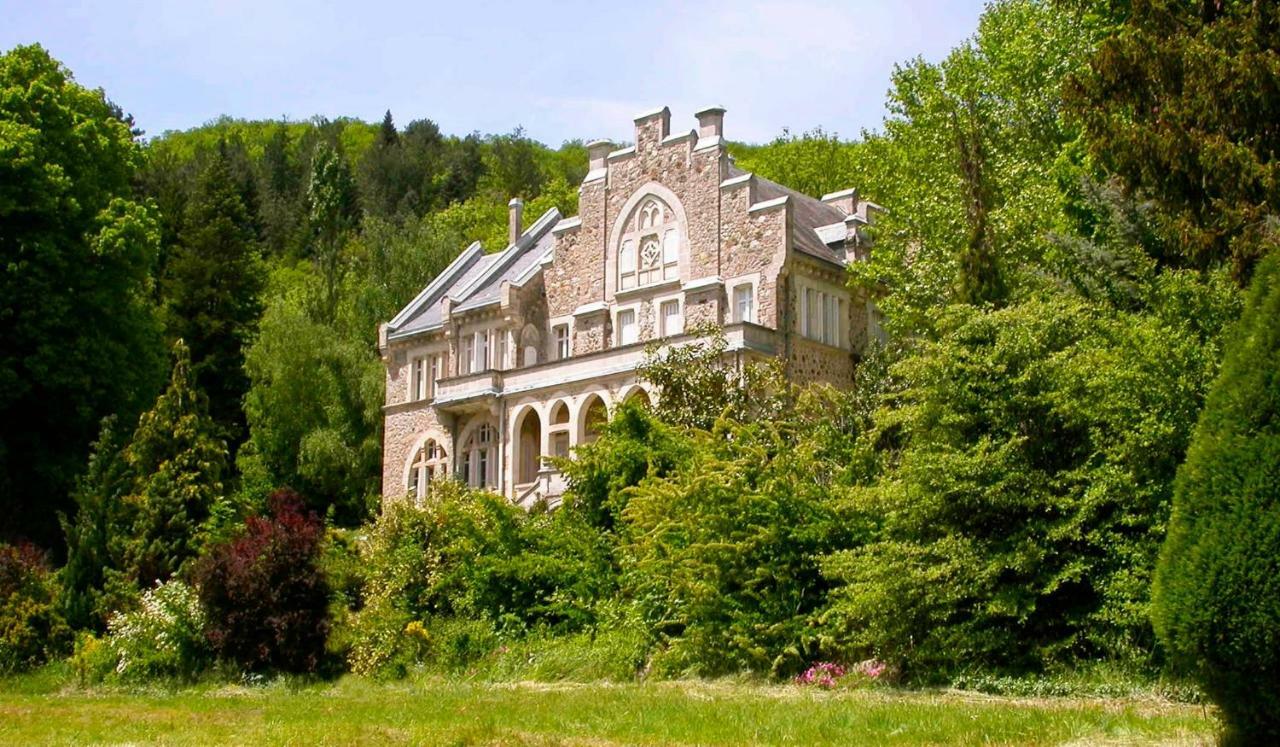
475 391
471 391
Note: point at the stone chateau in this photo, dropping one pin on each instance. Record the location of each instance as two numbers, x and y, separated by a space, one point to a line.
507 357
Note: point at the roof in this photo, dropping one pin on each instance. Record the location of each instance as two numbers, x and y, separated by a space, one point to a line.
810 216
474 279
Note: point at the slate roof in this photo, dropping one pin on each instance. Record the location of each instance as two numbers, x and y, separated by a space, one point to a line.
474 279
809 217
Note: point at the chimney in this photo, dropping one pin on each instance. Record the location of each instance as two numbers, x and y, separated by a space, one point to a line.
710 122
515 208
597 152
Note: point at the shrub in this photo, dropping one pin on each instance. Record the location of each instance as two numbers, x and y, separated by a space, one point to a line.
164 637
470 555
1028 457
32 630
265 595
1217 588
722 556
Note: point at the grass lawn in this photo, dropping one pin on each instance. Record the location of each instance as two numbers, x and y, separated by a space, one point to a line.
443 711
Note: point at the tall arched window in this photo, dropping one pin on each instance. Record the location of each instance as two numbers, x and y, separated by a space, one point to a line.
479 457
429 463
649 251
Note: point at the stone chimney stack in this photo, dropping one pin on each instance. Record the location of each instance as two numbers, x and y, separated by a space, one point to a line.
597 152
515 209
710 122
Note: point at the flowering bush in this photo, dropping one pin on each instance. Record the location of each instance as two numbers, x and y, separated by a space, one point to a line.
31 628
827 674
824 674
164 637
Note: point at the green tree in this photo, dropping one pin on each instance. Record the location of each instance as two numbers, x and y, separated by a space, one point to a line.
211 290
1217 587
1180 101
965 164
1026 462
314 408
78 333
335 212
178 463
97 532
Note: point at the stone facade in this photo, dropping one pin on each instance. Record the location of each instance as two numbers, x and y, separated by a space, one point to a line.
509 357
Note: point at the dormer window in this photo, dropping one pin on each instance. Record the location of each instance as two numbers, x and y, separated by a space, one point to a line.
649 251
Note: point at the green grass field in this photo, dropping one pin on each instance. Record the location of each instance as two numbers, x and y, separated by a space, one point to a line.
442 711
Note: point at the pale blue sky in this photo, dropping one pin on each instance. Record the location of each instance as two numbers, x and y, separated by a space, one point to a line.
563 70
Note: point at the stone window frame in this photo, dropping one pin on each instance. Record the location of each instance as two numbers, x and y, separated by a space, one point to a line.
618 310
625 221
659 322
731 287
428 461
552 343
433 360
479 454
839 337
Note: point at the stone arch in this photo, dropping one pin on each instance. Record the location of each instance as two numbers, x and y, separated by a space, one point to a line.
528 446
592 414
670 200
638 395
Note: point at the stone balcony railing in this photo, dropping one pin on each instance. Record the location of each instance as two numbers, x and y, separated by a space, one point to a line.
459 393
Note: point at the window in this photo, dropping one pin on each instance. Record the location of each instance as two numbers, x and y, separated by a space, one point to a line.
428 464
418 379
482 351
499 349
426 371
478 458
821 316
649 251
669 320
627 266
744 303
435 372
627 330
561 334
466 356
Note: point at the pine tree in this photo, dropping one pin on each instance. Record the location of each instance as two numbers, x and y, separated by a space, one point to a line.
94 536
211 290
1217 587
178 462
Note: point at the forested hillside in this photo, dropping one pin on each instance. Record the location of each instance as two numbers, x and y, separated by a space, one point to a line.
1077 199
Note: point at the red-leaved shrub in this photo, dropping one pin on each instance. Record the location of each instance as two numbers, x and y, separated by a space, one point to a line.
266 598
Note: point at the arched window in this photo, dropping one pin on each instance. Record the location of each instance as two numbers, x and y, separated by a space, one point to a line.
649 250
559 430
479 457
429 463
529 448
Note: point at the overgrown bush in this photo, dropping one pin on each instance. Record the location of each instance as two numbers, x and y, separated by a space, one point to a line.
266 598
721 556
165 636
32 630
1217 591
473 556
1026 464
